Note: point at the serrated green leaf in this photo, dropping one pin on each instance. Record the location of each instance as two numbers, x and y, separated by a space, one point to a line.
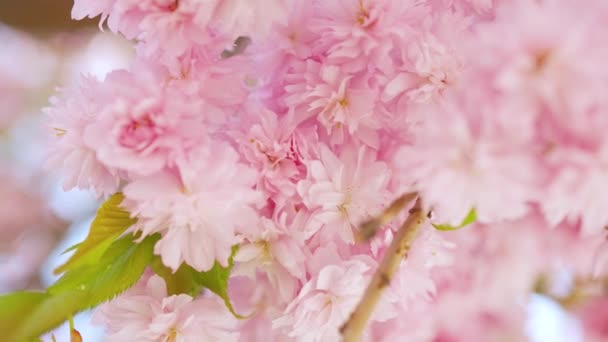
216 280
82 288
470 218
119 268
182 281
110 222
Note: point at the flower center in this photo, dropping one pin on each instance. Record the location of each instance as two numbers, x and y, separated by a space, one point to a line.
541 59
172 335
173 6
138 134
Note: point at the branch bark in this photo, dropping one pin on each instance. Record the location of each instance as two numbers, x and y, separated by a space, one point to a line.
397 251
369 228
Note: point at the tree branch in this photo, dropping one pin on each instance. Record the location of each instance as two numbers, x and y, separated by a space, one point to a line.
397 251
369 228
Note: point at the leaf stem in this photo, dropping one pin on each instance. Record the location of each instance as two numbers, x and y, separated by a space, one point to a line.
397 251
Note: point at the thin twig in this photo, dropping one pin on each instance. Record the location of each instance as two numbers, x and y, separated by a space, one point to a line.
369 228
397 251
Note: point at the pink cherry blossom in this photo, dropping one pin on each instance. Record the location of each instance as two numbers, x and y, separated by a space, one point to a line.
146 313
344 191
268 147
354 33
198 213
273 251
325 302
281 126
456 160
343 105
68 118
146 123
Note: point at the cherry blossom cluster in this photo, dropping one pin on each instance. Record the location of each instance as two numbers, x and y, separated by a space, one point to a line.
282 125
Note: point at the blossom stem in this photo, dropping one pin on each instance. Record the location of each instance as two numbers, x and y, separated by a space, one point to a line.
398 250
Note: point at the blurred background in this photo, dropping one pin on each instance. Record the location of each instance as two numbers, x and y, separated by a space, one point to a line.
41 48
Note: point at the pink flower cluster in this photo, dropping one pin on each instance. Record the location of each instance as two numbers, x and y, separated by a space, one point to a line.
286 141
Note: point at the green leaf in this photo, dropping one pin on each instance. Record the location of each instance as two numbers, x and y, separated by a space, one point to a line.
79 289
110 222
182 281
15 306
216 280
118 269
53 311
470 218
189 281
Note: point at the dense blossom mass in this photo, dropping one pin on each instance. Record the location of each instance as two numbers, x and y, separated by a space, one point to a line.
282 125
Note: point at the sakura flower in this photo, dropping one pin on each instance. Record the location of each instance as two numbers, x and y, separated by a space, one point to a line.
295 37
355 33
246 17
173 31
273 251
461 156
166 28
286 144
538 64
343 107
69 117
268 148
344 191
198 214
576 191
429 67
325 302
413 282
144 125
146 313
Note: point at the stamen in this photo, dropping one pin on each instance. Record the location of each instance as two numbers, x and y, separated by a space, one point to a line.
60 132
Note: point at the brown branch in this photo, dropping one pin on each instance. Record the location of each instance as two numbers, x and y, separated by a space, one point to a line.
369 228
397 251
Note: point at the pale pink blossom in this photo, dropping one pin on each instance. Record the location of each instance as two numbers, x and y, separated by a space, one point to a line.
361 34
198 213
344 191
343 104
284 145
325 302
271 250
146 313
143 123
268 147
466 151
429 68
69 117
